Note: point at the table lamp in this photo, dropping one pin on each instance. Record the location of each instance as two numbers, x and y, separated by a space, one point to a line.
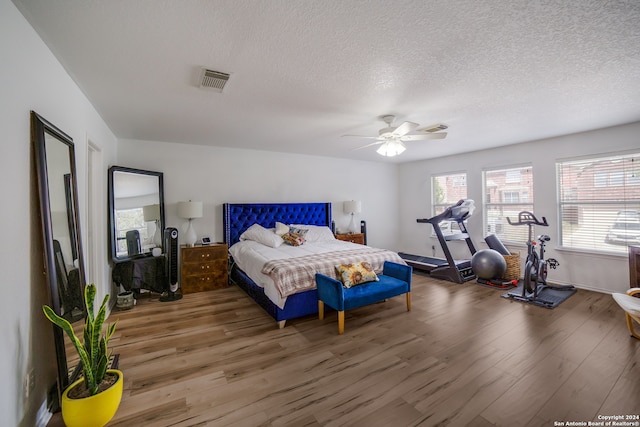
190 210
152 213
352 207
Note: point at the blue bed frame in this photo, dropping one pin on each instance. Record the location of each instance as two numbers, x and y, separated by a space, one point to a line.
237 217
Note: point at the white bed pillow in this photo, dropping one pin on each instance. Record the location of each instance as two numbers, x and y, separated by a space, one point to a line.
259 234
316 233
281 228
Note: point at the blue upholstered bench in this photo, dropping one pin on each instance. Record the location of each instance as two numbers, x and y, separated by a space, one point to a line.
395 280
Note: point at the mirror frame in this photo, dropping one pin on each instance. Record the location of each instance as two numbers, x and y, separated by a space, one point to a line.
40 128
112 212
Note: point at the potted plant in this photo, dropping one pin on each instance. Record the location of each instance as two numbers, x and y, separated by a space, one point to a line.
93 399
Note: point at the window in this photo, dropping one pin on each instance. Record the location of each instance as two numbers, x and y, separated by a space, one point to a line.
127 220
446 190
600 202
507 193
512 175
511 197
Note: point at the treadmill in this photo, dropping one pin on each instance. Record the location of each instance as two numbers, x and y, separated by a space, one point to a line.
458 271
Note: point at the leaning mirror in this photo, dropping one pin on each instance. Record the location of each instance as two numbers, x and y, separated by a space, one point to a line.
136 212
64 266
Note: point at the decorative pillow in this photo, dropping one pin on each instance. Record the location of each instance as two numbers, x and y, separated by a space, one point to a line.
259 234
293 239
316 233
356 274
302 232
281 228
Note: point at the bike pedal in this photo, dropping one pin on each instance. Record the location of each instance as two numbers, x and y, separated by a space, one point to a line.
553 263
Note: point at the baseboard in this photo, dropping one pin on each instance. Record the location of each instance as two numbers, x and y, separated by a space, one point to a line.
579 286
43 416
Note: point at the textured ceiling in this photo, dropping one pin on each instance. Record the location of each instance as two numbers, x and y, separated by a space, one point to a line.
305 72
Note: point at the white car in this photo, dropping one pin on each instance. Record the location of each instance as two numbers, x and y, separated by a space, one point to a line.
625 231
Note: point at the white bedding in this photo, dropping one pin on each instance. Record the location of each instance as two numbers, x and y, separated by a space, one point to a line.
250 256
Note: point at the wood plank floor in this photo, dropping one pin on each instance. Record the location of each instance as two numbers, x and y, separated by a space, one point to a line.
462 356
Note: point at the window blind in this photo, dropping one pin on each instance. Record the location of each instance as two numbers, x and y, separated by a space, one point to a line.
447 190
507 192
599 201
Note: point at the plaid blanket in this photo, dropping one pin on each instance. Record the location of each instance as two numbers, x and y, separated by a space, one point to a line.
293 275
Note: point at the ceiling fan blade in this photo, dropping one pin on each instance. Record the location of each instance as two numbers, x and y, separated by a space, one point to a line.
441 135
368 145
404 129
360 136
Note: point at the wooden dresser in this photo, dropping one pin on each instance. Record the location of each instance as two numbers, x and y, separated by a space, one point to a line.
353 238
634 267
204 268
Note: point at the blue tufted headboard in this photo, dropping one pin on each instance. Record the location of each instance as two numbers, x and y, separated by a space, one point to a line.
237 217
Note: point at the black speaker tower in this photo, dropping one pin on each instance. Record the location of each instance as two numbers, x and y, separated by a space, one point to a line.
171 265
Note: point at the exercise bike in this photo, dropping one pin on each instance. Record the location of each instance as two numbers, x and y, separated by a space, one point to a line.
536 267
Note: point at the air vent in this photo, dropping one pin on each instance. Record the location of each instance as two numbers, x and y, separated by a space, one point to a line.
434 128
214 80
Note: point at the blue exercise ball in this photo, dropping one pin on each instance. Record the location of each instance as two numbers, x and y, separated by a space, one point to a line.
488 264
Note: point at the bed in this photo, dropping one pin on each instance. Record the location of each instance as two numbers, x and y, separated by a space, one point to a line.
238 218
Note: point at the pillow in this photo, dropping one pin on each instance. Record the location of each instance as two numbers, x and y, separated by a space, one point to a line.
317 233
356 274
293 239
259 234
281 228
302 232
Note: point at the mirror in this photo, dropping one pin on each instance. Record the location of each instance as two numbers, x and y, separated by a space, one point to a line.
64 266
136 212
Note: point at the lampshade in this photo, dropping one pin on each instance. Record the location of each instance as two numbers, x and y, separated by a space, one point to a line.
391 148
352 207
189 210
151 212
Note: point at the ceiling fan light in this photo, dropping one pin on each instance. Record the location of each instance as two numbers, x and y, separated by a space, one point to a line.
391 148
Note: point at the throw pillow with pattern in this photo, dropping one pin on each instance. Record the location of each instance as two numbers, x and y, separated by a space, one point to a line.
293 239
356 274
299 231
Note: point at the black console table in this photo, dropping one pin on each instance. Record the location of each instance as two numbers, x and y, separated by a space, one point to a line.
141 273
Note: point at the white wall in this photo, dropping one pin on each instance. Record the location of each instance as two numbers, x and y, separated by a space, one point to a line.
220 175
606 273
32 79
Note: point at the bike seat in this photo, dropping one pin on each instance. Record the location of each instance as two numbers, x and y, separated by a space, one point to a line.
544 238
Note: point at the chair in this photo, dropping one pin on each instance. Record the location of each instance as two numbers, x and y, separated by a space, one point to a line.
133 242
69 288
631 307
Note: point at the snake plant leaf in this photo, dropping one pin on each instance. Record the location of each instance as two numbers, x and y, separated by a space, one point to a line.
94 350
89 297
66 326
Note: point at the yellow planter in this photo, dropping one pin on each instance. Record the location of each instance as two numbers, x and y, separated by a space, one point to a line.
92 411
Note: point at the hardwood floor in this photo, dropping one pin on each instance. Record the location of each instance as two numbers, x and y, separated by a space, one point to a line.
462 356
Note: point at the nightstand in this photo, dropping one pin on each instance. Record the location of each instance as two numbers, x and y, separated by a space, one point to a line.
634 267
353 238
204 268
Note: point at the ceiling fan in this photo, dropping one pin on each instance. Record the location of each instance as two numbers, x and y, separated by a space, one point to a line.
391 139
